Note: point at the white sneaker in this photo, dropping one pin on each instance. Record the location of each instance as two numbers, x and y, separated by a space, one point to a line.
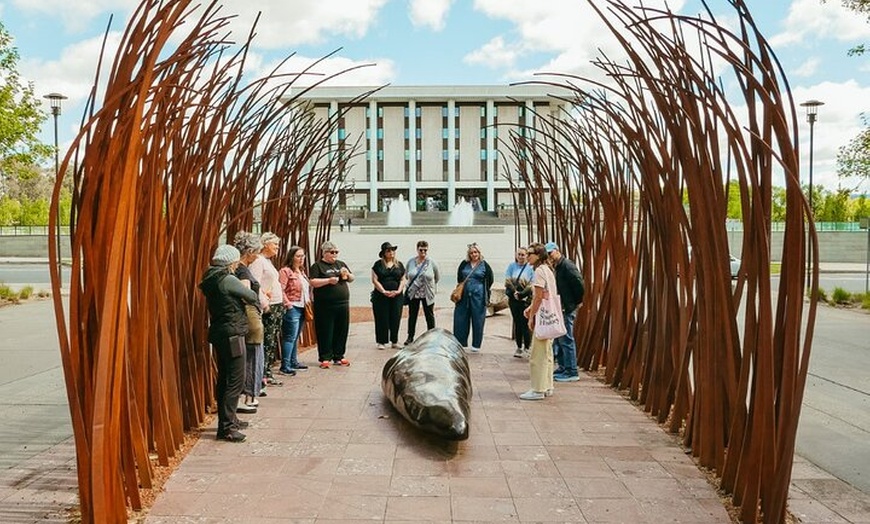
252 402
533 395
518 353
475 350
549 392
381 346
396 346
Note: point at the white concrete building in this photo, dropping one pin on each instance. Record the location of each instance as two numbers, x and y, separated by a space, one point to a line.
431 145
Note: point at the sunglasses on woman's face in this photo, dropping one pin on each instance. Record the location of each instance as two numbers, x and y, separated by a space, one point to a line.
422 249
333 252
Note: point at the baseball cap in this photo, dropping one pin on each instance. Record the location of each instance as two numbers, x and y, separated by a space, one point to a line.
551 246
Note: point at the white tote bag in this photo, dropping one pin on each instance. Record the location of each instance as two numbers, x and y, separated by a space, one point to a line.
549 321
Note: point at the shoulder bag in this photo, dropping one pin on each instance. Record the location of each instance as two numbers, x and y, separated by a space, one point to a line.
456 294
549 321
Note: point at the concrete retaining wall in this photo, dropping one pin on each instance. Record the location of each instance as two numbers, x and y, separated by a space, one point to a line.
834 246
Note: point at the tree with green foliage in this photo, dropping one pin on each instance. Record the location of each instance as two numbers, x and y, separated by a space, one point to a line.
21 116
853 159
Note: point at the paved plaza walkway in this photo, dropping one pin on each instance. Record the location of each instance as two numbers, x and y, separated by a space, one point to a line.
327 447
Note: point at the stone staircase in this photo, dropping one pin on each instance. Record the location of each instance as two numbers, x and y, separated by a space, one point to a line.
433 218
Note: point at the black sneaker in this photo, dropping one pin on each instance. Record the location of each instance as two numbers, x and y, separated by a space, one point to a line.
300 367
232 436
408 342
287 372
242 424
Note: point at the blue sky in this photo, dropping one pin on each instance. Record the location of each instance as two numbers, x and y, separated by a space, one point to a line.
415 42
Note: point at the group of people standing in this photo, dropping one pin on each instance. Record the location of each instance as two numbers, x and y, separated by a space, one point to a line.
537 272
414 284
254 306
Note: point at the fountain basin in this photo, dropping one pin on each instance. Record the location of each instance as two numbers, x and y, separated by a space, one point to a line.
445 229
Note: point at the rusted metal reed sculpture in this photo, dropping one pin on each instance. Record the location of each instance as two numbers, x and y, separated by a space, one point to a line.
170 163
641 163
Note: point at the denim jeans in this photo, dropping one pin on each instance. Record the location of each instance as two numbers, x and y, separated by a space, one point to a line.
294 318
469 315
564 347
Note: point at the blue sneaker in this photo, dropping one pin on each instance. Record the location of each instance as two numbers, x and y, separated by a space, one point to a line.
564 377
559 371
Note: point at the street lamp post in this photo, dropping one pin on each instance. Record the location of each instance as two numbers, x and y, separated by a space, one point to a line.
56 100
812 108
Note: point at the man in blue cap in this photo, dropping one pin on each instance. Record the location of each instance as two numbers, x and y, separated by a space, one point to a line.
569 283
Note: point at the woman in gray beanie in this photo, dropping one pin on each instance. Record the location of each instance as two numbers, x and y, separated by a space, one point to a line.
226 296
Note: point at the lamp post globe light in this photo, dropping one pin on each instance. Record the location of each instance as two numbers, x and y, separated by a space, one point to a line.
56 101
812 109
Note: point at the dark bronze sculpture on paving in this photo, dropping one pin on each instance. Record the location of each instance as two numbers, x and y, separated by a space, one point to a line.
429 383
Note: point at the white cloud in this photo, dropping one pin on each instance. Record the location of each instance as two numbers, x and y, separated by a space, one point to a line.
838 121
73 72
348 72
283 24
494 54
569 29
810 18
77 15
430 13
808 68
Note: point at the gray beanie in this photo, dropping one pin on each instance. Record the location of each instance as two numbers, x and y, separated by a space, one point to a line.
225 255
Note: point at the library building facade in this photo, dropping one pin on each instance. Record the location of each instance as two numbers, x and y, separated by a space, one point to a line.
432 146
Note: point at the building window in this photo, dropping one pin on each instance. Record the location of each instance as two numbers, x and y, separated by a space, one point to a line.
342 134
443 111
380 112
380 154
407 133
407 155
380 133
418 112
483 154
456 111
418 133
444 133
482 132
444 154
407 111
368 133
482 111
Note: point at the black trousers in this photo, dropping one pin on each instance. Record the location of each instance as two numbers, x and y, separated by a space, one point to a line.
388 315
414 310
230 381
331 324
522 335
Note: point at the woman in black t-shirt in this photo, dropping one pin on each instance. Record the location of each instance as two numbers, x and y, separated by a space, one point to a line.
388 277
329 278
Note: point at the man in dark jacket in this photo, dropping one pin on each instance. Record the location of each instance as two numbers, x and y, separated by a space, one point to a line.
224 294
569 283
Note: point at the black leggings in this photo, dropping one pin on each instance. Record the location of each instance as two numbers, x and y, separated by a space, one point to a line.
522 335
414 310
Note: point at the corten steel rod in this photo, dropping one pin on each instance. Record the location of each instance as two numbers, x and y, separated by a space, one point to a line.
633 182
169 162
